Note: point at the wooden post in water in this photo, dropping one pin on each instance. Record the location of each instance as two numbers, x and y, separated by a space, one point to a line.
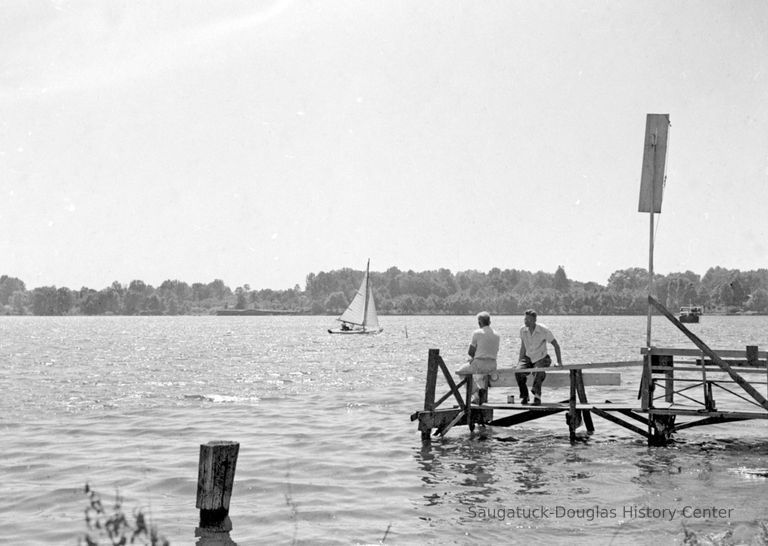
431 385
573 418
215 477
582 394
468 401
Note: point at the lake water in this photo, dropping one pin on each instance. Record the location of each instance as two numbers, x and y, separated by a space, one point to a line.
328 454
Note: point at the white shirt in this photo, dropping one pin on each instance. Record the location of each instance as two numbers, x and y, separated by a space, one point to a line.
486 343
536 343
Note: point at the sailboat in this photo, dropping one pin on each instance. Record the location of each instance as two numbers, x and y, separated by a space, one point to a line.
360 317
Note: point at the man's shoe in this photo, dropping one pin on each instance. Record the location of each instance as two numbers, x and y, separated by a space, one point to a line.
524 401
537 401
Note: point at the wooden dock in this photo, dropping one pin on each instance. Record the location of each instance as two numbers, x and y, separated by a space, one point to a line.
679 389
698 386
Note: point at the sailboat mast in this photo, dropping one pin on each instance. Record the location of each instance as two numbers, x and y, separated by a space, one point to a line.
365 310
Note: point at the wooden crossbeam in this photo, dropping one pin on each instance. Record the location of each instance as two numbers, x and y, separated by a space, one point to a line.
632 415
723 353
689 411
714 368
541 411
449 393
708 421
451 383
455 420
621 422
743 383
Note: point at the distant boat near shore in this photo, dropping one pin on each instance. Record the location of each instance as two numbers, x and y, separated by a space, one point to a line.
257 312
690 313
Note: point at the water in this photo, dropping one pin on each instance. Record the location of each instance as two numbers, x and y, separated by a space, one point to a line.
328 454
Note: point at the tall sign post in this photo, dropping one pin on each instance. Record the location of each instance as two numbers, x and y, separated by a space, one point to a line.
651 192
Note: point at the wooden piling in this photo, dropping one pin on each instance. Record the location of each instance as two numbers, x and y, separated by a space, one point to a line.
582 394
215 477
646 382
429 392
667 362
574 417
468 400
433 361
660 429
752 358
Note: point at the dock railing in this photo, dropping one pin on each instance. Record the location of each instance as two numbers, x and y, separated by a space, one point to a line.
688 376
465 412
675 382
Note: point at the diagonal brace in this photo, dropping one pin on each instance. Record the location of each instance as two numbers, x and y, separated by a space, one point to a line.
743 383
451 382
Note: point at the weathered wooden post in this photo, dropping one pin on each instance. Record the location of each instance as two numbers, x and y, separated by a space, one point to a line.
215 477
709 401
582 393
573 418
468 400
429 389
752 358
667 362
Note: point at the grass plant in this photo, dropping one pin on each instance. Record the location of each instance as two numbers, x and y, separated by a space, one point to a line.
113 527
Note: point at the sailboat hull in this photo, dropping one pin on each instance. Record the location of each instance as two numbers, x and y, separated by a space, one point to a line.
353 332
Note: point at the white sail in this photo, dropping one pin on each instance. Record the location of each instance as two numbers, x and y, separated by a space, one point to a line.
362 309
371 318
355 313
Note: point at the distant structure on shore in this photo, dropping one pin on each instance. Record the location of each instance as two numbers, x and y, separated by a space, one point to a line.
261 312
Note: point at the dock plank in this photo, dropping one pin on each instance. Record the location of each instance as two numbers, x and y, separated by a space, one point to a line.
556 377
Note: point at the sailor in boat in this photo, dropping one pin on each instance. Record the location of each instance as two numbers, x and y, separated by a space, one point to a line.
345 327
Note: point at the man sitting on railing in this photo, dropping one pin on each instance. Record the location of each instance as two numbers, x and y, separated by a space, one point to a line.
533 354
483 351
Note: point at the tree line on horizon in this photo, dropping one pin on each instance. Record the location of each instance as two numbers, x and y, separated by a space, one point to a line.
441 292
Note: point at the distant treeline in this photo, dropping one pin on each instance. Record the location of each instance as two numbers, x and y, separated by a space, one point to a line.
508 291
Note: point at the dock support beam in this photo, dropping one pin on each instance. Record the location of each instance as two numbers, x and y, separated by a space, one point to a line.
660 429
576 417
215 477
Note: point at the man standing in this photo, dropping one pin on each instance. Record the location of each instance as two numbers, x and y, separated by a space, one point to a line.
483 351
533 354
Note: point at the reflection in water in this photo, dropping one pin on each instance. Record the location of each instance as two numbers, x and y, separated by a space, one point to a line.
655 462
477 469
466 465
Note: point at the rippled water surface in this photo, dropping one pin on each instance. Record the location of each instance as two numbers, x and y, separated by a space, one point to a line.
327 451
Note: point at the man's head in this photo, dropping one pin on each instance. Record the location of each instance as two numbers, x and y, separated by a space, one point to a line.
530 318
484 318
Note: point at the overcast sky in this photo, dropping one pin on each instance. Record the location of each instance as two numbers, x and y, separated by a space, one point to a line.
257 142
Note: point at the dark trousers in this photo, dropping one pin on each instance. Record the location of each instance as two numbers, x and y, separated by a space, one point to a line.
538 377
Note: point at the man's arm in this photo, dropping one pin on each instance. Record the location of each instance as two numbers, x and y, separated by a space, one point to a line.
556 345
522 352
471 351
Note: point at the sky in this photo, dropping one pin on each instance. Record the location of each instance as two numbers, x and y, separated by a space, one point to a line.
259 141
